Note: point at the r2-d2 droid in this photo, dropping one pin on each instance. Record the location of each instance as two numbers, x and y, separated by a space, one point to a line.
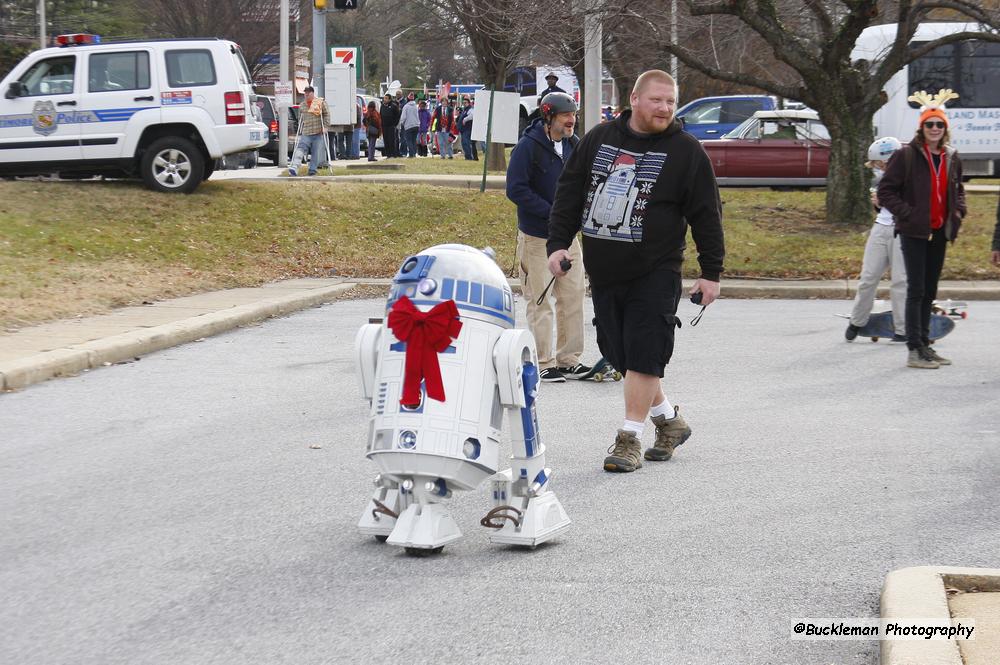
429 447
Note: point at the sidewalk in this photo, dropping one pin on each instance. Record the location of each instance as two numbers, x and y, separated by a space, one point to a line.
441 180
62 348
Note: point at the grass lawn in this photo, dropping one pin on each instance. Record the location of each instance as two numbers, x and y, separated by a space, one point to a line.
69 249
418 165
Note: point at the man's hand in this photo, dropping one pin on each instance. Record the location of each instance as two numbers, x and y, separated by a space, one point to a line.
996 257
554 259
709 290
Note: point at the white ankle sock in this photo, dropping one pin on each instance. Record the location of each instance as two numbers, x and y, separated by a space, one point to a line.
664 408
634 427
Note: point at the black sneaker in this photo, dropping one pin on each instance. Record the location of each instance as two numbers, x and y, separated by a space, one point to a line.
851 332
896 337
551 375
574 372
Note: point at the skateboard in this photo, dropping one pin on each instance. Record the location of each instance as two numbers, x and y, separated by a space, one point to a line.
880 325
956 309
601 370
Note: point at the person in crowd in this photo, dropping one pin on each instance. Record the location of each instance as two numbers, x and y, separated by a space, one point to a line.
373 128
550 80
444 126
633 187
410 124
881 251
423 133
922 188
389 113
465 118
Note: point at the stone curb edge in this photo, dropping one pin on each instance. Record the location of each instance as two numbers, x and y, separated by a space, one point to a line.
74 359
919 592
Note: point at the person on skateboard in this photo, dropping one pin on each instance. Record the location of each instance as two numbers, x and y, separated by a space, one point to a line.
881 251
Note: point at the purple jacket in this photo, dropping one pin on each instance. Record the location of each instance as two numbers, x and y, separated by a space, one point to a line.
425 120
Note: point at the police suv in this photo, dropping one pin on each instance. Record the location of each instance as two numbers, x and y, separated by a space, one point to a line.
163 110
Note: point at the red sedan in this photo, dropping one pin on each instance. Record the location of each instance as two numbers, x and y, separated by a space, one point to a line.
773 148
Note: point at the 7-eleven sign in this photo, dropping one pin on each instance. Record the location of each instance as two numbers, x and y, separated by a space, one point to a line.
347 55
344 56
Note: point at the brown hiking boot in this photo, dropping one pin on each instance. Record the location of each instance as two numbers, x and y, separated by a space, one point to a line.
625 453
669 434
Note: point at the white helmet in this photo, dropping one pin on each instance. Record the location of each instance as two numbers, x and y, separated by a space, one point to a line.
881 149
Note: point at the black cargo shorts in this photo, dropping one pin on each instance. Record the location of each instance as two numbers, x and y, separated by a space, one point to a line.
636 321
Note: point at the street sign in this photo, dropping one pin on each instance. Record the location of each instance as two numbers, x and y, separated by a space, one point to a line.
283 93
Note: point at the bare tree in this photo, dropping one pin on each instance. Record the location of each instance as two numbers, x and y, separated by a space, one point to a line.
812 41
498 33
253 24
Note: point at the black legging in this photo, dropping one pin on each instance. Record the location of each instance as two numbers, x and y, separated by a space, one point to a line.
923 259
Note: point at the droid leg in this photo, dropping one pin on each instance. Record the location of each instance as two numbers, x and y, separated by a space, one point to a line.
382 510
423 523
525 511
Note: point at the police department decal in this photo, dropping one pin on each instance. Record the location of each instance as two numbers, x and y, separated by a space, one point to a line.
44 118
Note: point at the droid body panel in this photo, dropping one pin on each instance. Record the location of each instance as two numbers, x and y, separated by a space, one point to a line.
427 449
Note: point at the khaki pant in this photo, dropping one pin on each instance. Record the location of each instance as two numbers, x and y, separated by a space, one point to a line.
881 251
568 291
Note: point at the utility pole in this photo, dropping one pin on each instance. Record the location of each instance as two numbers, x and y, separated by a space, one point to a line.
283 76
392 39
42 38
592 67
319 47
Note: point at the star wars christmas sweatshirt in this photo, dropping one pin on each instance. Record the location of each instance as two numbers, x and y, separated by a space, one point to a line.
633 197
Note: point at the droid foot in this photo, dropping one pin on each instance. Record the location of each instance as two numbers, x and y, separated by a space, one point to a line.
542 519
425 527
379 517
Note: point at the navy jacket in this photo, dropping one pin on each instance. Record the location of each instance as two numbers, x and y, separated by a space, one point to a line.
532 176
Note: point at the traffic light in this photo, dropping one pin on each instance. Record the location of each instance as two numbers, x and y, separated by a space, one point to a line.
319 5
345 4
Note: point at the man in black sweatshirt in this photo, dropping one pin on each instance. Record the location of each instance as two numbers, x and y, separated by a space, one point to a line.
633 186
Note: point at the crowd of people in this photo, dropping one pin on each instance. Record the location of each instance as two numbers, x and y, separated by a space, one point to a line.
407 125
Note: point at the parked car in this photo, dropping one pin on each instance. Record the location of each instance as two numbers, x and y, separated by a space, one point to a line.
163 110
269 113
773 148
710 118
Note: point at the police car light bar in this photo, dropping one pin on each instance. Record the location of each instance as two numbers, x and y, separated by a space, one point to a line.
79 39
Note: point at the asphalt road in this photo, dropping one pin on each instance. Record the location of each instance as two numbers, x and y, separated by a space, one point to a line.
177 509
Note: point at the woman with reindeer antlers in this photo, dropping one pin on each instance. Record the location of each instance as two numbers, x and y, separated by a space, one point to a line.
922 188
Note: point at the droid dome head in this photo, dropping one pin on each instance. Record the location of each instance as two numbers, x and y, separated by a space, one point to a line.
456 272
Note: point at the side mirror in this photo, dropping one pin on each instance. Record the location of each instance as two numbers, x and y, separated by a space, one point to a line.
16 89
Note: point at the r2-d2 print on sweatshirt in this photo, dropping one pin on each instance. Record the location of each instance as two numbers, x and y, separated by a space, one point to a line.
622 184
440 372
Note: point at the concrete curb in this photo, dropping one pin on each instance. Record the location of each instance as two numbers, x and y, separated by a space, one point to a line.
73 359
920 593
144 331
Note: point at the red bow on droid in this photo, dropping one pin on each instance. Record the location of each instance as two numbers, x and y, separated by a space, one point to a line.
426 334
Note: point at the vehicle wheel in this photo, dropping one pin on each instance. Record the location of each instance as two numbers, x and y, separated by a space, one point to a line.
172 164
381 539
423 551
209 170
